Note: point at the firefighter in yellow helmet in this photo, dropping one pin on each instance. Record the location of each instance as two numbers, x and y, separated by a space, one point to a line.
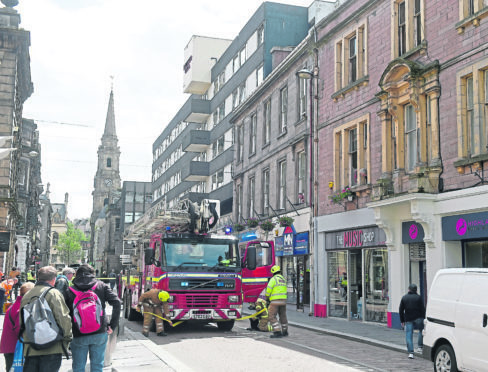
276 295
152 302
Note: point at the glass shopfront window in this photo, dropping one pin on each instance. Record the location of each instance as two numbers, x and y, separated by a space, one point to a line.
476 253
337 283
376 284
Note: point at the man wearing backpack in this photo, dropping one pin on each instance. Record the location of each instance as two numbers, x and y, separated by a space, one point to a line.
86 302
63 280
44 353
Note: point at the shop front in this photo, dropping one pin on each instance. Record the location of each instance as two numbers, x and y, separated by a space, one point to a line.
413 237
357 269
471 232
292 254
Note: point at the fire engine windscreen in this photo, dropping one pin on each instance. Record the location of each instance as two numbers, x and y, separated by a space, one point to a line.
201 255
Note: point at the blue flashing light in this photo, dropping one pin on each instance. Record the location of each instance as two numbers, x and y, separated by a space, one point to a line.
168 228
248 237
228 230
220 284
184 284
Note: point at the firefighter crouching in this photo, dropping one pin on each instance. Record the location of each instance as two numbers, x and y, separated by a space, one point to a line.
263 324
276 295
152 301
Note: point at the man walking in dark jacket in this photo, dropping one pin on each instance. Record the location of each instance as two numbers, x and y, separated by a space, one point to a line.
412 314
95 342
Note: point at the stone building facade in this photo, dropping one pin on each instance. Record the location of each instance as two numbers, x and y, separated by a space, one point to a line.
16 87
107 178
399 184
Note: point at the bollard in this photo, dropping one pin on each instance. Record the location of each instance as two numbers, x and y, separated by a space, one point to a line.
110 348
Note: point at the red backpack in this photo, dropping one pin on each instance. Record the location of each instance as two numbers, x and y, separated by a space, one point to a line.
87 310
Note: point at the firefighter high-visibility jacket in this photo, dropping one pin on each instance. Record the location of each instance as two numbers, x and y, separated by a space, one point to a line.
263 324
276 289
150 298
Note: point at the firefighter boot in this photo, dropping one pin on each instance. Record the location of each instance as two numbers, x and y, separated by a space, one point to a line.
146 334
276 335
285 333
162 334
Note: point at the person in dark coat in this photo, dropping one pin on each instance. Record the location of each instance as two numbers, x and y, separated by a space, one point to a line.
412 315
63 281
93 343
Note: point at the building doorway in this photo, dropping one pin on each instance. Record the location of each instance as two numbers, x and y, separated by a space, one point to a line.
418 268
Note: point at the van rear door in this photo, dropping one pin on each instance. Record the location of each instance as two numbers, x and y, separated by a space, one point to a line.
471 321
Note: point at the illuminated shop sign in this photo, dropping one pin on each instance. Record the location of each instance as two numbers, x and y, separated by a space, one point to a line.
412 232
356 238
465 226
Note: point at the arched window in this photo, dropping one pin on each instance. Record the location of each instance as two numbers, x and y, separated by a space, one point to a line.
109 162
55 238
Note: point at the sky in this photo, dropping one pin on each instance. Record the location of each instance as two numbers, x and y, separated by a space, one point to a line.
77 45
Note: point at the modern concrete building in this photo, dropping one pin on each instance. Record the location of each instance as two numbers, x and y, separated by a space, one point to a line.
192 158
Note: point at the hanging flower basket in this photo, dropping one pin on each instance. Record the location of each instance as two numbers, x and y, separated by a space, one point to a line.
345 193
285 221
267 225
252 222
238 227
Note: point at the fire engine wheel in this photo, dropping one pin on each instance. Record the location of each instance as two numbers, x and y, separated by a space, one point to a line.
225 326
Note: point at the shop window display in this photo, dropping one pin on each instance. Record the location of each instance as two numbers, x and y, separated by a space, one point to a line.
476 253
376 284
338 284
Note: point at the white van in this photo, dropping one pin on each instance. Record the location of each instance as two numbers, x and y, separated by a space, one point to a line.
456 332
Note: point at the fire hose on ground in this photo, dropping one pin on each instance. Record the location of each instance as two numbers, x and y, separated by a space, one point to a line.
223 320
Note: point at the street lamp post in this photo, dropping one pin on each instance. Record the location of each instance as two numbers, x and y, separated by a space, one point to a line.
312 77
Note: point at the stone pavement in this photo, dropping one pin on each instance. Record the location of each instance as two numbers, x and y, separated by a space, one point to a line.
366 332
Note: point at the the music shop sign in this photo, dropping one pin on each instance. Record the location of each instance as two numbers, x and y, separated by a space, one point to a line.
465 226
356 238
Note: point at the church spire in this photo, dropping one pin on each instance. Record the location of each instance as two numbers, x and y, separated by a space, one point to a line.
110 121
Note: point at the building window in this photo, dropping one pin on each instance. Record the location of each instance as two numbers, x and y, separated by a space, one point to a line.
221 144
470 122
265 192
282 185
408 23
117 223
410 137
240 143
55 238
283 109
350 54
302 174
242 93
351 153
353 156
235 98
302 97
242 55
467 8
267 122
239 202
352 59
417 23
129 217
402 29
260 35
252 190
252 134
109 162
222 111
235 63
473 110
217 179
